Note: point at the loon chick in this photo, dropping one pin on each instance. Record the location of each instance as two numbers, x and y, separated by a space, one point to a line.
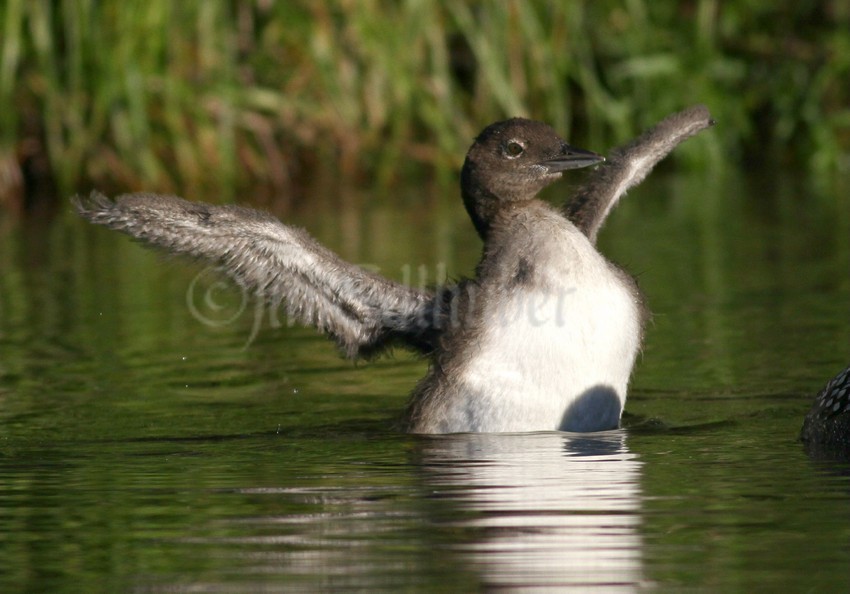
828 421
544 336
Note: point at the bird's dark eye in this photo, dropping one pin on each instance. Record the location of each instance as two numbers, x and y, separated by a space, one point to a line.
514 149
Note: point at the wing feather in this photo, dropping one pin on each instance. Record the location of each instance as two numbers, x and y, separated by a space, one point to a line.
281 265
628 165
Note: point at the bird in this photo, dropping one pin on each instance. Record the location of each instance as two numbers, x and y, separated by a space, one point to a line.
827 424
543 336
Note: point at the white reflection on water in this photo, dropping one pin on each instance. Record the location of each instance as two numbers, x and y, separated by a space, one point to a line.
473 512
550 510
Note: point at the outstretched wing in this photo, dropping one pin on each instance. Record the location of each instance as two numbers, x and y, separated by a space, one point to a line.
363 311
628 165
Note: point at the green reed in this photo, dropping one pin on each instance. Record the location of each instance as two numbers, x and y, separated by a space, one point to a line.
212 97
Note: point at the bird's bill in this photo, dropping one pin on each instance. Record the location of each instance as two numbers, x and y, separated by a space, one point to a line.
573 158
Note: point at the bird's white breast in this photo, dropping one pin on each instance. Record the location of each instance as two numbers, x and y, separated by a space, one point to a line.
556 353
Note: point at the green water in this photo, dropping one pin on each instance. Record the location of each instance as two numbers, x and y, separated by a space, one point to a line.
154 444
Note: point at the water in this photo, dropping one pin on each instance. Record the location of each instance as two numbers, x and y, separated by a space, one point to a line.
157 434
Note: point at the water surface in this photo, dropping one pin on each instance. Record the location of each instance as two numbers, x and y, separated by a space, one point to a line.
158 434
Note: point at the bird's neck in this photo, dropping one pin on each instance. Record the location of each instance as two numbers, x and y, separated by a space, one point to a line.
481 206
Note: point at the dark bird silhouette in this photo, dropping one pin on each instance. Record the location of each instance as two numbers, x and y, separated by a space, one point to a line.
827 425
543 337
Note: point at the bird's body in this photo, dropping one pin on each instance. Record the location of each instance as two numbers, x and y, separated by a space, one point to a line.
827 425
544 336
549 335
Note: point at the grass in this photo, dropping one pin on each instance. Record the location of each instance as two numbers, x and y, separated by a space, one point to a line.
211 98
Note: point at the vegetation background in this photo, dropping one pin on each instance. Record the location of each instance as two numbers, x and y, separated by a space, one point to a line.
213 98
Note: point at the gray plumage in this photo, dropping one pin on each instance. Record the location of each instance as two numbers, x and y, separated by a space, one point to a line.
530 251
629 165
278 264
